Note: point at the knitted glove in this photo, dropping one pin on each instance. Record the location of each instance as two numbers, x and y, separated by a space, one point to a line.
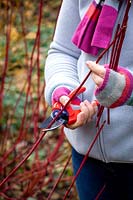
63 91
116 88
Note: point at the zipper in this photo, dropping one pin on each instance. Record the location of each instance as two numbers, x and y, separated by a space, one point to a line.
103 154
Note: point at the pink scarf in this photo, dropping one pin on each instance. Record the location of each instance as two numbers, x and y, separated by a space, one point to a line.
95 29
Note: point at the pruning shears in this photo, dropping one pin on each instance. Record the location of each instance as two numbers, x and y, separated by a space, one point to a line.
66 116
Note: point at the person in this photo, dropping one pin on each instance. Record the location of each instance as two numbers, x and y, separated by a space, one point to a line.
84 29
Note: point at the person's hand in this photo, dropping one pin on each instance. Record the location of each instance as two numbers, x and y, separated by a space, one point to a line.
113 88
88 110
98 72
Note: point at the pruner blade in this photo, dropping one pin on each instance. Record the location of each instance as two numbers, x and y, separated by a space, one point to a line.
45 124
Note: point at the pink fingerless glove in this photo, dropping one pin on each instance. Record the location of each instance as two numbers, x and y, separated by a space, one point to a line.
63 91
116 88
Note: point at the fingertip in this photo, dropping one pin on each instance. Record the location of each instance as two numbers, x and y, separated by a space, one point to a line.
89 62
95 103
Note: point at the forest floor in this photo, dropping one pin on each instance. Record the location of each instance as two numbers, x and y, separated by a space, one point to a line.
22 81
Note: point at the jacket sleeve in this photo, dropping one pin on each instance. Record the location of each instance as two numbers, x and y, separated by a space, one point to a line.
61 62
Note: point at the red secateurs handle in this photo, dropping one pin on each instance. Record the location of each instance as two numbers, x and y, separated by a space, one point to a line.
71 110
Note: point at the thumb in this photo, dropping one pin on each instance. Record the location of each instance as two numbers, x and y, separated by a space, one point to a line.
64 99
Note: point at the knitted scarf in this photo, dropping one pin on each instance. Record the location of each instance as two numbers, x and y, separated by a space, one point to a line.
95 29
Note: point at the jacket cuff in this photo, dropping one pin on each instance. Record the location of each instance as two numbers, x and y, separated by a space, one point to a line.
116 88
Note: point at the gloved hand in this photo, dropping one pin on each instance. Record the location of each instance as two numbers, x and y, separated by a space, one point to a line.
113 89
87 109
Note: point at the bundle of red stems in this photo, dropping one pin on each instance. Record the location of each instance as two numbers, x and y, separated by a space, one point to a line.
115 55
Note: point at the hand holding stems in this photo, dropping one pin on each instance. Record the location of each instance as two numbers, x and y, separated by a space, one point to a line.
113 87
88 109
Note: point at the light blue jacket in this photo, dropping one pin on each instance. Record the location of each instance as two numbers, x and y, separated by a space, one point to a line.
65 66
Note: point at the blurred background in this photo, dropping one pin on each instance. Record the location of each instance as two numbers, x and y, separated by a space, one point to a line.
26 30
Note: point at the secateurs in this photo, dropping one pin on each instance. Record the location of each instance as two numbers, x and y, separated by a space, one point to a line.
61 114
